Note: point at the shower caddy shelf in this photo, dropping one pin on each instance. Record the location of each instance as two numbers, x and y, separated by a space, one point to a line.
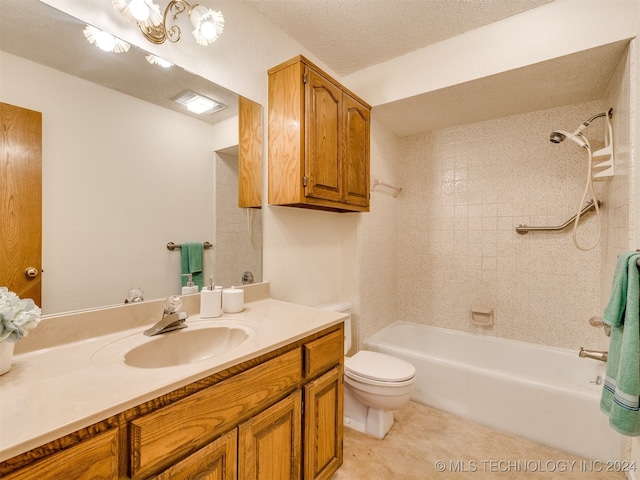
524 229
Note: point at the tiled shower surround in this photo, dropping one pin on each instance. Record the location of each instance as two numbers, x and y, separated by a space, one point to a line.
467 188
448 243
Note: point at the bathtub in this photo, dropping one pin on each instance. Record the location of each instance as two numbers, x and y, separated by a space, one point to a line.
544 394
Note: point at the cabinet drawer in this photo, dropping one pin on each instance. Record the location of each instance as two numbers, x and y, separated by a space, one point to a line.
93 459
323 353
171 433
216 461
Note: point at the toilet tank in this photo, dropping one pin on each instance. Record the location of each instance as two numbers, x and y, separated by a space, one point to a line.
341 307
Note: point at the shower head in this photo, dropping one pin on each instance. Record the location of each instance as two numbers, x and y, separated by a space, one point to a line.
559 135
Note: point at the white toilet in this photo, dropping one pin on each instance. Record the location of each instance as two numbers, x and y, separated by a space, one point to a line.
374 384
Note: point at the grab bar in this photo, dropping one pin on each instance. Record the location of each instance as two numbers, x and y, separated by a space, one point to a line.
524 229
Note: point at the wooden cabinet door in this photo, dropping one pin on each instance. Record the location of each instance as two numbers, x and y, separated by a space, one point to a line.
249 154
93 459
216 461
356 152
323 425
269 443
323 138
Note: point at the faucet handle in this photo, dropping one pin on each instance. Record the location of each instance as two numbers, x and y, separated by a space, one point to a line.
598 322
172 304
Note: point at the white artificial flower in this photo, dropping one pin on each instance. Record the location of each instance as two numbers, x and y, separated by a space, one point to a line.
17 316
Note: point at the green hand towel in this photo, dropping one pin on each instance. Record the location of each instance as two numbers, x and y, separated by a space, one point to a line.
614 313
191 262
621 393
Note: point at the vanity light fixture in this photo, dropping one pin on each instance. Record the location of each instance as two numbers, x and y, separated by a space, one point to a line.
105 41
208 24
199 104
155 60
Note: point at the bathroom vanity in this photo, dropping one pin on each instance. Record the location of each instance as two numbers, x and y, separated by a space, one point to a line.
271 408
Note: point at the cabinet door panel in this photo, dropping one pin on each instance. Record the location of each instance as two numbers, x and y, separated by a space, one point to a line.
249 153
324 138
269 443
323 417
92 459
356 152
216 461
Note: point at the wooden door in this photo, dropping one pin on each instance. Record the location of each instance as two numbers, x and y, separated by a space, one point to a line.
323 425
323 161
269 443
21 201
356 152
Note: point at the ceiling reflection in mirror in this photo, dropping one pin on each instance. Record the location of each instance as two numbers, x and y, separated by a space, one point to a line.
45 35
89 273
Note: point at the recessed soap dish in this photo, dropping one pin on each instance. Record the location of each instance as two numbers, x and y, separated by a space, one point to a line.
482 316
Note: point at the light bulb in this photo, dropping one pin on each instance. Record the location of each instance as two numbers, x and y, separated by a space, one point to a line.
105 41
139 10
208 30
208 24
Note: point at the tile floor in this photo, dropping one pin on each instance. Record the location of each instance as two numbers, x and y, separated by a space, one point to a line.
426 443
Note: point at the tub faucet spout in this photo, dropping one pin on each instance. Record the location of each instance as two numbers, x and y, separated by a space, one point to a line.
594 354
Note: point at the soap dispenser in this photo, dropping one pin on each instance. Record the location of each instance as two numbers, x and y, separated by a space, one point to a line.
190 287
210 301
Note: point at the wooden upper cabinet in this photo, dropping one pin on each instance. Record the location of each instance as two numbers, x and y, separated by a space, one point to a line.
318 140
249 153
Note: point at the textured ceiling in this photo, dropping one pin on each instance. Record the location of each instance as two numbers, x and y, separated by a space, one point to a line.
351 35
572 79
347 35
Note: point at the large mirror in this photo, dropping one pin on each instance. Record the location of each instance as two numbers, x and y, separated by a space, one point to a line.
125 170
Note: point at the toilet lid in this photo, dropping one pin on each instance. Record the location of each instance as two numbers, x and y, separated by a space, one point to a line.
379 366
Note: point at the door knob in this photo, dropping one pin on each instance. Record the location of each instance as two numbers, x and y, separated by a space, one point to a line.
31 272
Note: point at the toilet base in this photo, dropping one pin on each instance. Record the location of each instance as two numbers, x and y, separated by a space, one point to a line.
369 420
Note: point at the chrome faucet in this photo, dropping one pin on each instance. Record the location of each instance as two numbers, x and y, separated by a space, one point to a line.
171 318
594 354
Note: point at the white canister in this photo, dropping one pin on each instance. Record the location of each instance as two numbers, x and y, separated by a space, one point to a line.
232 300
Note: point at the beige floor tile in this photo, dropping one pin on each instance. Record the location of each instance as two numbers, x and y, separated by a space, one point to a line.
423 436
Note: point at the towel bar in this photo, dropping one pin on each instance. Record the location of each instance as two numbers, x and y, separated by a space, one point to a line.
377 183
173 246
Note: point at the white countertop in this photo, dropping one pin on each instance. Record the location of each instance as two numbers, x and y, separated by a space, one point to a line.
51 392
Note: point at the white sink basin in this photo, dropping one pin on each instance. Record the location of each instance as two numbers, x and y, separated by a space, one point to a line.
185 346
200 341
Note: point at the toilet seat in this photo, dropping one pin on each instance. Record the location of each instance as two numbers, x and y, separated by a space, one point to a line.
378 369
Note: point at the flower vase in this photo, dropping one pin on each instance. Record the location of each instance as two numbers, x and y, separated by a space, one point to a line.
6 356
